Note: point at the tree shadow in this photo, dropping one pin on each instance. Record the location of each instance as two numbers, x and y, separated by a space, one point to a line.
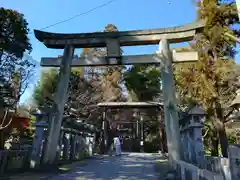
129 166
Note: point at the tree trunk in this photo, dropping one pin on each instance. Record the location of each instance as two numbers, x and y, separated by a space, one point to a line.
214 146
221 129
223 138
164 141
2 140
214 143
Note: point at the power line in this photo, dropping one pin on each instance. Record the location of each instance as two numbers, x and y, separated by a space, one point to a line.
77 15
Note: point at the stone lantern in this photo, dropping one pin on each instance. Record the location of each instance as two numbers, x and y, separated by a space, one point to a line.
196 115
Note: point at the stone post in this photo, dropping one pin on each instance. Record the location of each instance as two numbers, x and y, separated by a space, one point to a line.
59 149
198 142
73 147
170 113
66 142
37 142
142 134
197 115
77 147
58 107
234 161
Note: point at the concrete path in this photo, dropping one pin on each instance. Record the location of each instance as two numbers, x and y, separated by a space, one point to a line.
130 166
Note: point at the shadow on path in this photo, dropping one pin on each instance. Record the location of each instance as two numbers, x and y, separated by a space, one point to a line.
130 166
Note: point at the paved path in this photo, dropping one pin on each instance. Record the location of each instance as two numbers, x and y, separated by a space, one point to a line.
131 166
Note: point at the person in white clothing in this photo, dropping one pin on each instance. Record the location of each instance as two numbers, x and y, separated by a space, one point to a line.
117 145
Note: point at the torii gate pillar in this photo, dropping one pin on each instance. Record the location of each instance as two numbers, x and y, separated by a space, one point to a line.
169 96
60 98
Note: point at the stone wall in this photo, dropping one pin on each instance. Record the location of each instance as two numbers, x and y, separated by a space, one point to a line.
234 161
218 165
213 168
20 160
187 171
14 160
196 165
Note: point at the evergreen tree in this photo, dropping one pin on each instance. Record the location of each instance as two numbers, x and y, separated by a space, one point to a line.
208 81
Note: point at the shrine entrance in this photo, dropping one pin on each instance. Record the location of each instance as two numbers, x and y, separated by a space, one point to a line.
129 128
128 134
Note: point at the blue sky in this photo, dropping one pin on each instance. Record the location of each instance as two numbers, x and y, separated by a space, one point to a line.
125 14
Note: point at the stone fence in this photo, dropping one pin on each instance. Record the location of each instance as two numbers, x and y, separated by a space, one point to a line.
188 171
14 160
76 142
215 168
20 160
196 165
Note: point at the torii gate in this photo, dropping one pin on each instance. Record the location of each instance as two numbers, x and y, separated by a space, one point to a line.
113 41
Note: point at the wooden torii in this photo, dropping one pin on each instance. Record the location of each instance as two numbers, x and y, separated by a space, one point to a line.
104 106
113 41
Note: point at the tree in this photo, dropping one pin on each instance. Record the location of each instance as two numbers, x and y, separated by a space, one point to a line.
45 89
143 82
82 94
208 81
110 76
15 70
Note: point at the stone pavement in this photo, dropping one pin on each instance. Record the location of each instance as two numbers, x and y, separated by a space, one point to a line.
129 166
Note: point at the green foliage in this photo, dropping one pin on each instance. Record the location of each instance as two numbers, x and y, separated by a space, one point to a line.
46 87
13 33
81 93
144 81
15 69
208 81
233 136
44 91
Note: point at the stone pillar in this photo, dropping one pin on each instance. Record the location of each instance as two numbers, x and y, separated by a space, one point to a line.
37 142
142 134
77 147
192 146
72 146
137 129
60 98
105 131
82 146
170 113
189 156
198 142
90 145
87 144
94 142
234 161
184 141
59 149
66 142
